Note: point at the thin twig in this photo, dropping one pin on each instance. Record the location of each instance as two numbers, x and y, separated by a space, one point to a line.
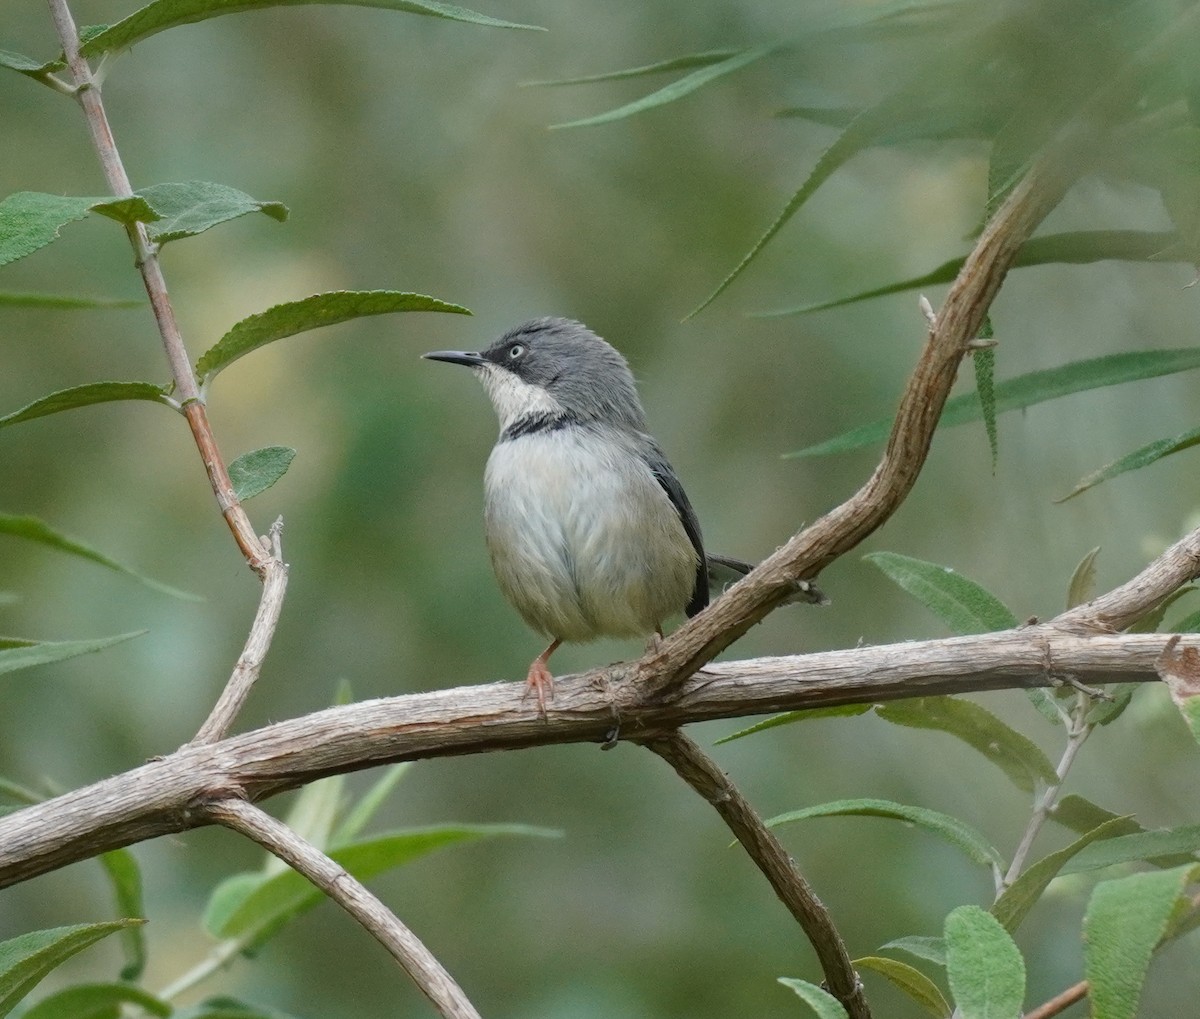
1060 1002
187 392
348 892
245 672
216 960
1077 732
702 774
158 797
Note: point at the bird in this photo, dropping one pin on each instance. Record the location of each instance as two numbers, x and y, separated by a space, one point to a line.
589 531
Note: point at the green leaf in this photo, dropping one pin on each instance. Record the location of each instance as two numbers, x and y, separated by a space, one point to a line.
30 220
313 312
1141 457
1163 844
911 981
263 906
224 1007
36 69
823 1004
163 14
126 878
366 808
85 396
960 603
985 382
1016 755
12 659
191 207
127 210
837 711
1028 390
950 829
684 63
1150 622
1186 624
986 971
25 959
1104 712
254 472
96 1001
931 949
33 529
1125 921
1082 587
1020 897
64 302
1075 248
1081 815
677 89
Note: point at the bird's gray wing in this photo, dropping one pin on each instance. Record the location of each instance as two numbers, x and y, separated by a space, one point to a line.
724 571
664 474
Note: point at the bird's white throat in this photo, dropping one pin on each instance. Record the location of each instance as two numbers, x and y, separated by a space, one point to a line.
514 398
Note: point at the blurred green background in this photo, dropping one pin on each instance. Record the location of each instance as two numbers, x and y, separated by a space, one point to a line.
412 159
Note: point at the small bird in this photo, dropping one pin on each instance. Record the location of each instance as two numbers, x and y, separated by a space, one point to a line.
589 531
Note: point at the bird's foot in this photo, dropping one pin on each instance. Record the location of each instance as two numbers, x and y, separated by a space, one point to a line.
540 683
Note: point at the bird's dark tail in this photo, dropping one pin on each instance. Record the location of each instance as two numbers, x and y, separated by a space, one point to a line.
724 571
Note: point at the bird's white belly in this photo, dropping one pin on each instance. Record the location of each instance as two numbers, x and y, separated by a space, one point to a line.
584 541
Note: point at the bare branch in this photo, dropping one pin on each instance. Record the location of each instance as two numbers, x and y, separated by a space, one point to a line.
168 795
381 923
87 91
760 843
950 334
245 673
1060 1002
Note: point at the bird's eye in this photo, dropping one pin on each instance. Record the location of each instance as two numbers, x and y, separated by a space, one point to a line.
516 351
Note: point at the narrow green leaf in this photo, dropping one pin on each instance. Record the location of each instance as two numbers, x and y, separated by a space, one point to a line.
1016 755
64 302
828 116
931 949
254 472
1105 712
823 1004
859 134
1186 624
676 90
985 388
1020 897
911 981
684 63
1152 620
48 651
1028 390
950 829
191 207
1045 704
25 959
36 69
1149 846
986 971
33 529
366 808
126 878
313 312
1081 815
265 905
837 711
30 220
1125 921
1141 457
1082 587
225 1007
960 603
7 642
85 396
96 1001
163 14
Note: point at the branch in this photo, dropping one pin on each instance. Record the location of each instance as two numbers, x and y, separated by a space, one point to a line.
348 892
168 794
951 332
87 91
245 672
760 843
1060 1002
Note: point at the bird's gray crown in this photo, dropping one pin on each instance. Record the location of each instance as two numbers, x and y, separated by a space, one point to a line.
583 374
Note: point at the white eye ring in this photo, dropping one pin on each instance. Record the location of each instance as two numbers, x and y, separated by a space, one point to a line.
517 350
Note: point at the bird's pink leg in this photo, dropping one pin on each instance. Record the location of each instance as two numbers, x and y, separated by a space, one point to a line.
540 680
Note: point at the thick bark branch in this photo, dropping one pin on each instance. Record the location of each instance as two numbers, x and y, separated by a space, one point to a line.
169 795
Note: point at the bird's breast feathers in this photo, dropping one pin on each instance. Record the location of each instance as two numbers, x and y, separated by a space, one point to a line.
583 539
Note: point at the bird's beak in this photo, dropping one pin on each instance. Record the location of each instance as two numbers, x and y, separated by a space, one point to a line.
468 357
